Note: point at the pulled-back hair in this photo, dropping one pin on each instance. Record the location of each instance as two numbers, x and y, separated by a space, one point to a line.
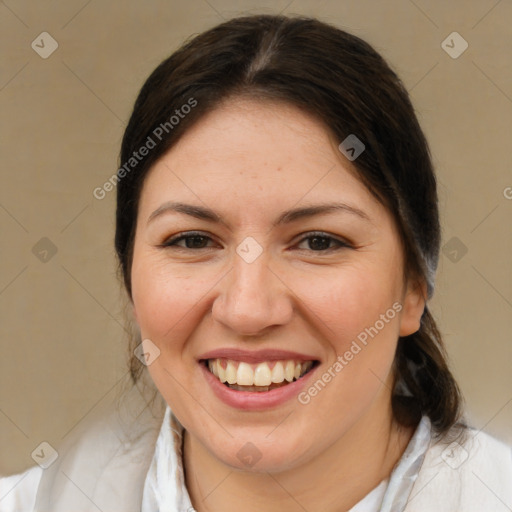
342 81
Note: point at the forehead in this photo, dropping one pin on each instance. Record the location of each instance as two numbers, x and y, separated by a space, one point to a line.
244 127
255 153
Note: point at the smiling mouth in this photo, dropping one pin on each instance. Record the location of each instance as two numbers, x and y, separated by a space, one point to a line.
264 376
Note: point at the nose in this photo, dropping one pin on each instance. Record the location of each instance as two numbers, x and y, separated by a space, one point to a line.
252 298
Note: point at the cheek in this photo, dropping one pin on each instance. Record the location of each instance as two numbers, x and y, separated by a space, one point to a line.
358 315
165 301
350 301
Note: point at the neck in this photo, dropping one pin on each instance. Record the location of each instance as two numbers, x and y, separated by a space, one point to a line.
334 480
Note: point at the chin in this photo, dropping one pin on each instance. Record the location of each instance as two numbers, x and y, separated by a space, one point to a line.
260 454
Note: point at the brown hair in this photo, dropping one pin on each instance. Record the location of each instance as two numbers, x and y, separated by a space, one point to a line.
344 82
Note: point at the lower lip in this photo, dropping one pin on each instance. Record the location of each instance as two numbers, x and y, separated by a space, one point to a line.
255 400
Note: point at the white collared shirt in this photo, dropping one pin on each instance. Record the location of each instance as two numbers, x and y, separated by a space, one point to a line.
430 475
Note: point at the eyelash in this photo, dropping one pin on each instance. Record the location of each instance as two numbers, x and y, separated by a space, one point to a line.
171 242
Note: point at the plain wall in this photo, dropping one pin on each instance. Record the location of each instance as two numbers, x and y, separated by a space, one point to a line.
61 326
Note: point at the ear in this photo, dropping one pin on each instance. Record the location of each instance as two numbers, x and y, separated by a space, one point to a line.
413 302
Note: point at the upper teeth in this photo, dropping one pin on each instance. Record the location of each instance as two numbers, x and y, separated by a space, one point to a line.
262 374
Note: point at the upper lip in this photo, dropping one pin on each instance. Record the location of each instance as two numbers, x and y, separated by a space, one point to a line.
256 356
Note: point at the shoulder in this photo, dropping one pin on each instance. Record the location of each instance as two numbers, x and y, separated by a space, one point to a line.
473 451
18 492
102 463
471 472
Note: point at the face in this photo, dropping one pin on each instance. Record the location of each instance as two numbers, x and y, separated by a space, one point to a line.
260 254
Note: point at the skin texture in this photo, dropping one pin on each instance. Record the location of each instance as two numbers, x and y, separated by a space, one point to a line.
250 161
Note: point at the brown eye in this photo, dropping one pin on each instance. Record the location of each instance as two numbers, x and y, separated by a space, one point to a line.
192 241
322 242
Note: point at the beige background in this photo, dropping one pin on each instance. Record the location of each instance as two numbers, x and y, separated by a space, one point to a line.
61 326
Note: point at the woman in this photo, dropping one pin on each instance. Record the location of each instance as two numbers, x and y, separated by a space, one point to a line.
278 236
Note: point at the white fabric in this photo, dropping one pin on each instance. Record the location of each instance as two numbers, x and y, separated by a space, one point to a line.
164 488
18 492
103 462
373 500
474 477
112 464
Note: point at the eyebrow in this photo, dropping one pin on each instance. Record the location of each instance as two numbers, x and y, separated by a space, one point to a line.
287 217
